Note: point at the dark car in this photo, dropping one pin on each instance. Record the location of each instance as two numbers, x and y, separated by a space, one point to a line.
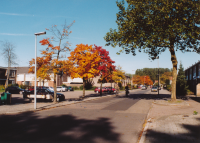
111 89
45 94
31 89
14 90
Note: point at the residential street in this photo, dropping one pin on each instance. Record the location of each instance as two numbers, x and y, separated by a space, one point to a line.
109 120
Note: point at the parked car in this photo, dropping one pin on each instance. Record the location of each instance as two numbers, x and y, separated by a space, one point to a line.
31 89
97 89
50 88
70 88
144 88
66 88
60 88
109 89
15 90
154 88
45 94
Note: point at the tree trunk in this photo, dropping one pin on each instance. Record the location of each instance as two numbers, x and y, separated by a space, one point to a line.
174 71
8 74
101 89
83 87
55 88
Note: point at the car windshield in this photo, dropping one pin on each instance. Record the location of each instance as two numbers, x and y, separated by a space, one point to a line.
49 90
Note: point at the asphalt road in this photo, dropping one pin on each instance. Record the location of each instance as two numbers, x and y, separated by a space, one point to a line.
106 120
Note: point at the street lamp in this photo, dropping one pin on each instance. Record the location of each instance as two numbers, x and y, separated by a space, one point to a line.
158 73
36 34
132 81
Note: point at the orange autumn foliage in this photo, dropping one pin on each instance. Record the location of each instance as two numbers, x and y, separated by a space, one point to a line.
86 61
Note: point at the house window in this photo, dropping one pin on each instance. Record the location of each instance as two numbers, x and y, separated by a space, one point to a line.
199 70
187 75
194 71
190 74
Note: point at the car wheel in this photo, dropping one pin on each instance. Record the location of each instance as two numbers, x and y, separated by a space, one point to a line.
97 91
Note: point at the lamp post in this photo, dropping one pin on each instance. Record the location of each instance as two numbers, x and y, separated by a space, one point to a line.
158 73
36 34
144 79
132 81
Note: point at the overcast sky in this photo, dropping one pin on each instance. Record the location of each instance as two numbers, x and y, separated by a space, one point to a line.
20 19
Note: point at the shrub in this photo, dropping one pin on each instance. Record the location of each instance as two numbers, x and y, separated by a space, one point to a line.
93 87
122 88
63 85
169 88
81 87
23 86
2 87
75 87
190 92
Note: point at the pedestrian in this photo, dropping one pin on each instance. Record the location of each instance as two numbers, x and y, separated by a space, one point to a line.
127 90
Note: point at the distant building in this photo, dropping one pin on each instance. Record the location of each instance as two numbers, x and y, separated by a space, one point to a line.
3 75
192 75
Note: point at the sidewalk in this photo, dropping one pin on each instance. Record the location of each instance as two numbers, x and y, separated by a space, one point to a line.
173 122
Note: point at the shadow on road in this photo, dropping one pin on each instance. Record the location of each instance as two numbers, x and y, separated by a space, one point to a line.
191 136
32 127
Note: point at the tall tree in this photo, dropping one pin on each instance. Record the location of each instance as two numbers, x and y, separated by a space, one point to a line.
165 77
181 84
155 26
86 61
137 79
8 52
55 63
151 72
118 75
106 66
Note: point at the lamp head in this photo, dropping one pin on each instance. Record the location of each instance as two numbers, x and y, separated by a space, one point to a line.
40 33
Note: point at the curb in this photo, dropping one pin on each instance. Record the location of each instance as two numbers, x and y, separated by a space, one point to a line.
144 131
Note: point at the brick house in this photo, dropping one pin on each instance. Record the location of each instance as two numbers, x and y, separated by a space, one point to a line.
20 76
25 78
192 75
3 75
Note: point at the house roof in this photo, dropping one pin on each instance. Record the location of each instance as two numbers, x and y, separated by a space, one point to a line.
22 70
193 65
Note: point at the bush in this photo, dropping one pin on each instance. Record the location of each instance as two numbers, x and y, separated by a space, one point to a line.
93 87
81 87
75 87
169 88
2 87
23 86
122 88
63 85
190 92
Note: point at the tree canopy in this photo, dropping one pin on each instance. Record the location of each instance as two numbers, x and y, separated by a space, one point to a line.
152 26
151 72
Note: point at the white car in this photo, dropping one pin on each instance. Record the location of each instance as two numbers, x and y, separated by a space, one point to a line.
50 88
61 89
144 87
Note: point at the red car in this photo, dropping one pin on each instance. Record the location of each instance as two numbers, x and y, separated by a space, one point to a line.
97 90
109 89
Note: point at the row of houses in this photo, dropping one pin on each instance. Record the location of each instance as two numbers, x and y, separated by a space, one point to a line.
192 75
20 75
